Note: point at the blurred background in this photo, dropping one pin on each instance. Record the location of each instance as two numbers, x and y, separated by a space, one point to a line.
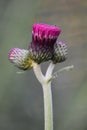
21 99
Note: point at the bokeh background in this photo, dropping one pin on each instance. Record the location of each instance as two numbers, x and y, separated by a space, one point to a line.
21 99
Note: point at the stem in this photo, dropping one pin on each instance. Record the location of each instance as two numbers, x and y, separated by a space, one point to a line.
47 94
38 73
50 70
48 110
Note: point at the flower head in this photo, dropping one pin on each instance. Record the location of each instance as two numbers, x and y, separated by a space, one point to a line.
44 37
60 52
20 58
43 47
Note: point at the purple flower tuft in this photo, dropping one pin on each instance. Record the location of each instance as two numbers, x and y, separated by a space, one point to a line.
20 58
60 52
44 37
44 33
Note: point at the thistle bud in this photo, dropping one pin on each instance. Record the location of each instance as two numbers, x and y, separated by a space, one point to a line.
60 52
20 58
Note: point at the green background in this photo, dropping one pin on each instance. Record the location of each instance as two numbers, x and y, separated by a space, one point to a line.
21 99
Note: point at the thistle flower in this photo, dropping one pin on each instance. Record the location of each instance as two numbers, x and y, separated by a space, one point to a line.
60 52
20 58
43 38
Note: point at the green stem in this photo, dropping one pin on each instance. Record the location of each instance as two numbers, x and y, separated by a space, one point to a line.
47 94
48 110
